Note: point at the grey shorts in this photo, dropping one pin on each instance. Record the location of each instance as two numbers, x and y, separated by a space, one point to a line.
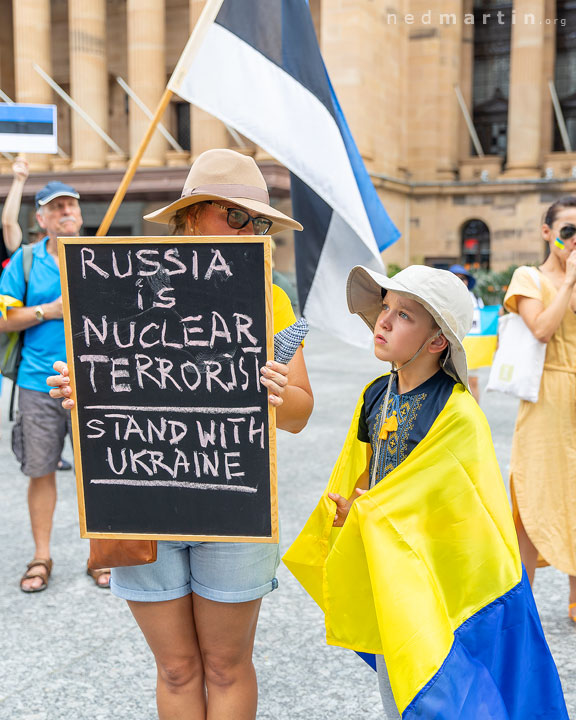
39 432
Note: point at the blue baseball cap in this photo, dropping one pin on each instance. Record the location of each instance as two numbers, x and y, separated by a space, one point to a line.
461 270
54 190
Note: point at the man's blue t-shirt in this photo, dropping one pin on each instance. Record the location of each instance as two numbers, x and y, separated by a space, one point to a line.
43 343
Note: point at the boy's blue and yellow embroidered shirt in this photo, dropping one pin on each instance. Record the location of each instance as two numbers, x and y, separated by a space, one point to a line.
415 412
426 571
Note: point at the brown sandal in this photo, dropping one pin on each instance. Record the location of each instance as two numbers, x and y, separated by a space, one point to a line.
97 574
29 574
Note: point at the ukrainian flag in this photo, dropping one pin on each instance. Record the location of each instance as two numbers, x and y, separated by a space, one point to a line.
426 571
480 343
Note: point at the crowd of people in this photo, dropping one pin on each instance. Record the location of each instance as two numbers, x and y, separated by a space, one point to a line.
417 483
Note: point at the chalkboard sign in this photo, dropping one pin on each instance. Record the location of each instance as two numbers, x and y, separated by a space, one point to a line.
174 437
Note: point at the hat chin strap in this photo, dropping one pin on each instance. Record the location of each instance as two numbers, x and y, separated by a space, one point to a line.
396 370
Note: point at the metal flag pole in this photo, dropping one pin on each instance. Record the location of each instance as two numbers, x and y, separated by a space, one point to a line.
149 114
133 166
469 123
74 105
560 117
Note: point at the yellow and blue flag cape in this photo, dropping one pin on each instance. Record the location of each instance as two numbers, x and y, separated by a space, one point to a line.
480 343
426 571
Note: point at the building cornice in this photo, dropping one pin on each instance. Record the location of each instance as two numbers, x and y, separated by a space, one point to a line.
466 187
148 184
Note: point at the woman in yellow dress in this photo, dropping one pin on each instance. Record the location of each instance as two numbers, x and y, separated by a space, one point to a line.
543 464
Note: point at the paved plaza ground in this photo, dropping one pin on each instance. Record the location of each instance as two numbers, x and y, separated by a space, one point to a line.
75 653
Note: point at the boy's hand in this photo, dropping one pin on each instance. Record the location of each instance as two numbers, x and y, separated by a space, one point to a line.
343 506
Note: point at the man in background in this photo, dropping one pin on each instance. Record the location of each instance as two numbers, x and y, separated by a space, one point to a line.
12 232
42 424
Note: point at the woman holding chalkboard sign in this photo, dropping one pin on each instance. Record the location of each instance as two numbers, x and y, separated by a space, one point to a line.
198 604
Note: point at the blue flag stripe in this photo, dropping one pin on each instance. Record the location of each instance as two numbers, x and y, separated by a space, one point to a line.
24 113
385 232
499 667
285 35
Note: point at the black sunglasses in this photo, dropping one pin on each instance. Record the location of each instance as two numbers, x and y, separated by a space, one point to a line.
567 232
238 219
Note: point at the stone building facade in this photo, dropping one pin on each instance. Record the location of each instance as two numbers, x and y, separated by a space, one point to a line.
405 71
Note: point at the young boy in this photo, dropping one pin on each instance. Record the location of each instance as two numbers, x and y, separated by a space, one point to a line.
411 552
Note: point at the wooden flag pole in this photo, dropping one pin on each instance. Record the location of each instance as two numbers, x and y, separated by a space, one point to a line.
133 166
192 46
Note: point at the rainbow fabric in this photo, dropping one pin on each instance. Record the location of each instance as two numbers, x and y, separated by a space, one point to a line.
426 571
480 343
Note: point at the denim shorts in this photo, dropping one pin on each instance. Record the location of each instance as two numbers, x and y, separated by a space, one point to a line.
223 572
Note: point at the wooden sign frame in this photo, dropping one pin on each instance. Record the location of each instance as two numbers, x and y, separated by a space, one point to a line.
265 241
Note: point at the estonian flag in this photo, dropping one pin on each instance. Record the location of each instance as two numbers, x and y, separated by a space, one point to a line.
259 69
28 128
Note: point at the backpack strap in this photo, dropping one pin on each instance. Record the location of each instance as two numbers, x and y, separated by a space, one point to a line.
27 260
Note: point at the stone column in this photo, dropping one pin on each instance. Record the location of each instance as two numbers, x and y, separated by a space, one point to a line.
451 30
206 131
528 90
88 80
146 72
32 45
434 37
466 81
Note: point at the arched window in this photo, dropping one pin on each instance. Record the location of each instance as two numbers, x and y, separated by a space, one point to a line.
492 32
475 245
565 71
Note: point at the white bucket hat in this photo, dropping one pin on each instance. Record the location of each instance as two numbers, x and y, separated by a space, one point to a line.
230 176
441 292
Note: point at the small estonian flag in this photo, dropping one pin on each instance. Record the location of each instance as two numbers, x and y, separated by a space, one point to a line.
28 128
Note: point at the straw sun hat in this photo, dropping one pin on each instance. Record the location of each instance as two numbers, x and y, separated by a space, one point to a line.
442 293
229 176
